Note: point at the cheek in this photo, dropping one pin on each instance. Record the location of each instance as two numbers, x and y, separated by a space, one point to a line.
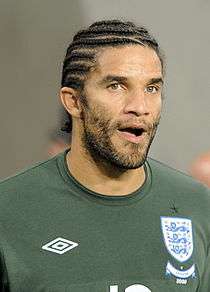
157 107
98 116
106 110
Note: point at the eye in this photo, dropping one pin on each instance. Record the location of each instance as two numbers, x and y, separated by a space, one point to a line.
152 89
114 86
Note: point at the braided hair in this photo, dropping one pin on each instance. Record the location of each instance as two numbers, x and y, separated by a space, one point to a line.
81 53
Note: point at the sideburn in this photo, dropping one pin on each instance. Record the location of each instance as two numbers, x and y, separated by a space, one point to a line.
83 100
84 105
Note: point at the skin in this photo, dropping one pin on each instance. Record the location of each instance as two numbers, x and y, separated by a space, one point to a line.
124 88
200 168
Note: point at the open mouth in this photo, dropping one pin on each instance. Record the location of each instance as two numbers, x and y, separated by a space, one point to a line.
133 131
133 134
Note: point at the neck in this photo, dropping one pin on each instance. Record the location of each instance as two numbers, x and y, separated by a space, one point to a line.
102 177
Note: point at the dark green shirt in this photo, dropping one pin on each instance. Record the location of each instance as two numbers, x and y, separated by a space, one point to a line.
56 235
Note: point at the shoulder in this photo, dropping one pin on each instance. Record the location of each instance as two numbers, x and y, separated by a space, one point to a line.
190 196
168 178
28 179
162 171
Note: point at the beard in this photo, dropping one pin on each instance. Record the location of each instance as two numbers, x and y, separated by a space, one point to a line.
99 135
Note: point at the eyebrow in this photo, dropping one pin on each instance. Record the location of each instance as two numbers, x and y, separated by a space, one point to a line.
156 80
110 78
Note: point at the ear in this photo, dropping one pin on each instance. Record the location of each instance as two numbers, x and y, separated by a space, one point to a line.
70 100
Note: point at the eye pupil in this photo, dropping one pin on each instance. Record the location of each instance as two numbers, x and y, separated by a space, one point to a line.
152 89
114 86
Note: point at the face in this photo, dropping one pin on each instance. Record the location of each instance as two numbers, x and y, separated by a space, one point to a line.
123 105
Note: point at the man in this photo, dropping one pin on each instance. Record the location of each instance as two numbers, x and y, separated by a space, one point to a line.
102 217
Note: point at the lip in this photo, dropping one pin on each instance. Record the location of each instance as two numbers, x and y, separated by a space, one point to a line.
131 137
135 126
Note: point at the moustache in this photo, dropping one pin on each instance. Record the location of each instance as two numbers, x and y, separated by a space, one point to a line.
141 124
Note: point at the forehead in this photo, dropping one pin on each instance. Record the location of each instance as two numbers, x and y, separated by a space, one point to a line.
131 61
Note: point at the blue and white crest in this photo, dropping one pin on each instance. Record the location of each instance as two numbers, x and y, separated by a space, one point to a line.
178 237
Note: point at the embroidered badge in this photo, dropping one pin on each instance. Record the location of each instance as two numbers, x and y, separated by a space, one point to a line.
60 245
183 274
177 233
178 238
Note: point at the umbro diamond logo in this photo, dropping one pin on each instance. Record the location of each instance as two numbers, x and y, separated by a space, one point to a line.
60 245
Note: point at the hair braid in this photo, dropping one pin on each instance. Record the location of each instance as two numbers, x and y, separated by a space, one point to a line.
81 53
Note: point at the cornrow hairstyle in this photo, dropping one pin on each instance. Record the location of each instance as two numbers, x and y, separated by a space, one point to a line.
81 53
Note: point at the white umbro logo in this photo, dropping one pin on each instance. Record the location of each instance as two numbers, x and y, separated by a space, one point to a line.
59 245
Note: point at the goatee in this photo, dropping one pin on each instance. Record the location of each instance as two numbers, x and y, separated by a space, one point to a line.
96 138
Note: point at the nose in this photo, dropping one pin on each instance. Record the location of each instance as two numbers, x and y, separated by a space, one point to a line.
137 103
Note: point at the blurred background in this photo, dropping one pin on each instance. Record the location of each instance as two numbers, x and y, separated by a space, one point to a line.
34 36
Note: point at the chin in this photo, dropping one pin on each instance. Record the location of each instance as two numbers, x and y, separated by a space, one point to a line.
123 163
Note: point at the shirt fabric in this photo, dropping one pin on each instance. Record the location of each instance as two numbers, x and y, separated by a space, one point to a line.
56 235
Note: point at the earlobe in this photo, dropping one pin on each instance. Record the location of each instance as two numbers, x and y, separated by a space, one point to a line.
70 101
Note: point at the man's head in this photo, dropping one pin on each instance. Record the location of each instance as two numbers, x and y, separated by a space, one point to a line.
111 86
